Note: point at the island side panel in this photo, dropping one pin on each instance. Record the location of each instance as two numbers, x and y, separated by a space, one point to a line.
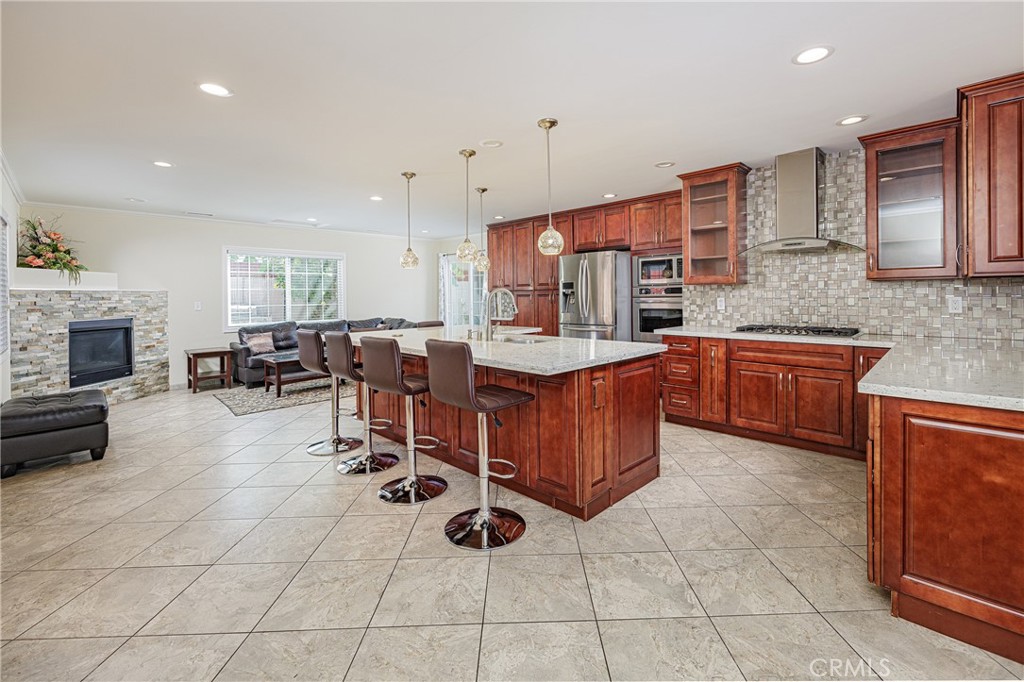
952 485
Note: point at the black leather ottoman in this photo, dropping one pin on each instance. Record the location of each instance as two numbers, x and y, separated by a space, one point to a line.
50 425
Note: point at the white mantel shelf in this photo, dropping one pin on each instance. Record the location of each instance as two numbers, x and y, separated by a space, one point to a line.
35 278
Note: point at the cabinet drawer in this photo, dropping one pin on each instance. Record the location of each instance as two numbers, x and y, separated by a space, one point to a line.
682 402
680 370
817 356
682 345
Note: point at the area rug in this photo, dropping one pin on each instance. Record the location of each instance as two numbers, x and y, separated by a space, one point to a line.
243 401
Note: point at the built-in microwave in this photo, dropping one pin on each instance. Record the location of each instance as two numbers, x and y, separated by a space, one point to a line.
657 271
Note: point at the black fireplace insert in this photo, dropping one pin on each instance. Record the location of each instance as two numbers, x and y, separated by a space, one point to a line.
99 350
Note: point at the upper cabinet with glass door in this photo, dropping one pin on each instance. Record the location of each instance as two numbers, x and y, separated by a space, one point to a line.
714 225
911 202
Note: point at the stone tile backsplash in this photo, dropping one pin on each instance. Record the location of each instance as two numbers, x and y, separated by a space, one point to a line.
830 288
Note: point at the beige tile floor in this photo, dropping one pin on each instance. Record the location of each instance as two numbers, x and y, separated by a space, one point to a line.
206 546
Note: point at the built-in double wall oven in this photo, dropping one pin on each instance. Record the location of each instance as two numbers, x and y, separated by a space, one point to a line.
657 295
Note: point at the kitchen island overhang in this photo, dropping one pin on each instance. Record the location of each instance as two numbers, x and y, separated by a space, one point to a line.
589 438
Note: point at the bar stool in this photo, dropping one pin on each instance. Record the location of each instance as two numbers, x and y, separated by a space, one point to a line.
311 357
450 367
341 362
429 323
382 371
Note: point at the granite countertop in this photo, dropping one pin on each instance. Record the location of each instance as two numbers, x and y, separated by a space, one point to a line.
973 372
548 356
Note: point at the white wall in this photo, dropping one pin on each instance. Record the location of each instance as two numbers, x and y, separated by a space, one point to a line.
10 208
183 257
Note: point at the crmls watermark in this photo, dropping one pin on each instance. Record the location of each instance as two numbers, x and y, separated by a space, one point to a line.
844 667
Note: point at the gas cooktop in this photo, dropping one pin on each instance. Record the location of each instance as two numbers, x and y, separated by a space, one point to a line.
797 331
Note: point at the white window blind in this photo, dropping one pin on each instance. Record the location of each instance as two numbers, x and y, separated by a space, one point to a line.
273 286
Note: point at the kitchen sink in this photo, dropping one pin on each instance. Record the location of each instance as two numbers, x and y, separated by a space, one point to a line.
508 338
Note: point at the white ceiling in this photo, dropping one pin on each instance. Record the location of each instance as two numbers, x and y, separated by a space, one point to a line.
334 100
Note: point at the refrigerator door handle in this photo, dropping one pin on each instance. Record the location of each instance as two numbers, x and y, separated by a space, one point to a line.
579 285
586 287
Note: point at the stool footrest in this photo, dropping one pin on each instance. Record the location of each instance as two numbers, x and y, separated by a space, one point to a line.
380 423
502 462
426 442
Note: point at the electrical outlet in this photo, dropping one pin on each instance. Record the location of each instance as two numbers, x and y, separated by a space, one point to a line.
197 306
721 304
955 304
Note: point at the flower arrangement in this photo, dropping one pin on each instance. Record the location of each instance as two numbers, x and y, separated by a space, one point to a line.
41 246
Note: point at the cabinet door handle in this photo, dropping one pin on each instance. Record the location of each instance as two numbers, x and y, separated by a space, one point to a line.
712 357
781 381
958 263
790 381
871 262
861 361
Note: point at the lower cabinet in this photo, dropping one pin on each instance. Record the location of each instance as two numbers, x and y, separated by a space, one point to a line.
545 307
757 396
950 480
864 359
553 435
714 380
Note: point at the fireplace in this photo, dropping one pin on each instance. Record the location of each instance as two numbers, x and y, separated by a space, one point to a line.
99 350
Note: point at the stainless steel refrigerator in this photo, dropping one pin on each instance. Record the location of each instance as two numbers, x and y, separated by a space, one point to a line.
594 295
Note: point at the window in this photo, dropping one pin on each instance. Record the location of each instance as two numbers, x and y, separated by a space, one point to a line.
277 286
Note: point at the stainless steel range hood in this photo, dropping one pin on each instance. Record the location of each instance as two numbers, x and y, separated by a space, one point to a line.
800 194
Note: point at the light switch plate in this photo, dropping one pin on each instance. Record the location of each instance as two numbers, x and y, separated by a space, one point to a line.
721 304
197 306
955 304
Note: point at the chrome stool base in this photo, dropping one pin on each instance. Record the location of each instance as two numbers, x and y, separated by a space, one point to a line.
333 446
412 489
484 530
367 463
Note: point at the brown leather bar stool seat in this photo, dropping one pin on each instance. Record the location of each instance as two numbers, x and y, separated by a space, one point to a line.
429 323
311 357
382 371
450 367
341 361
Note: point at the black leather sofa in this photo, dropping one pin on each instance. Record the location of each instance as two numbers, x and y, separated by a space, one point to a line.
248 367
38 427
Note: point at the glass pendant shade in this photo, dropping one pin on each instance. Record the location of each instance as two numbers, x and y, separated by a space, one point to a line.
409 259
483 263
466 253
550 242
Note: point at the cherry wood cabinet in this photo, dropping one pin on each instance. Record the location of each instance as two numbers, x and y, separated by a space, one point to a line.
864 359
680 376
600 228
800 390
656 224
992 114
714 225
501 251
947 495
714 380
524 248
526 317
588 439
545 309
911 188
682 402
680 370
672 222
545 268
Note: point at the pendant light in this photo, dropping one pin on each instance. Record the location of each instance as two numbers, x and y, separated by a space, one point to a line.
466 252
550 241
409 259
483 263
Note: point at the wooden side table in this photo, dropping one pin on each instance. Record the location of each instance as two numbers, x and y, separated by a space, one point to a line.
196 354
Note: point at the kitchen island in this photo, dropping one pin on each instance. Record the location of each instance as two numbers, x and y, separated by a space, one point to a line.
588 439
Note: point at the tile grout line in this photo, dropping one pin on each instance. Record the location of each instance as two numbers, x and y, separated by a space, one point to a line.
593 606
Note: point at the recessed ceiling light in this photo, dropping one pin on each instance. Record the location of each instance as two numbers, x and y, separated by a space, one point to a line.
499 217
664 164
425 231
376 198
310 220
813 55
135 200
852 120
163 164
215 89
493 144
609 196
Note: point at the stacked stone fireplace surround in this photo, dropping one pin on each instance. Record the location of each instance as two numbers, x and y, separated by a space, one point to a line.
39 339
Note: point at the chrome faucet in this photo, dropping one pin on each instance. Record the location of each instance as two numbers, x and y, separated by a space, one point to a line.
503 308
